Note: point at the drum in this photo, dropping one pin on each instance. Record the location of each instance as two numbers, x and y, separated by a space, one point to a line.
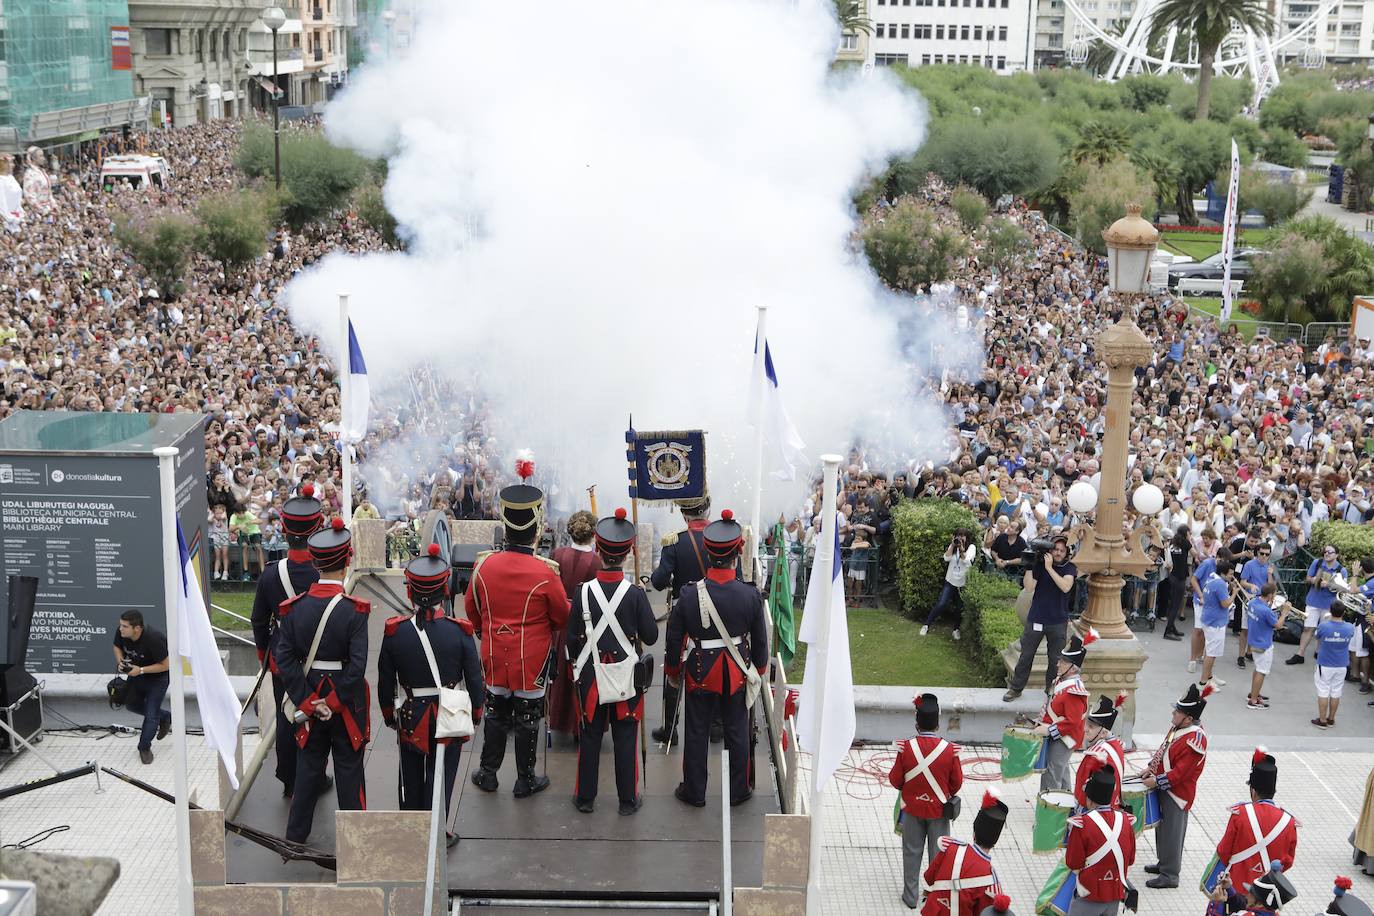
1053 808
1211 875
1057 895
1142 802
1021 751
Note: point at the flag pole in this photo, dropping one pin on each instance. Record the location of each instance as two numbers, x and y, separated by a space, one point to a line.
825 565
345 447
756 395
171 580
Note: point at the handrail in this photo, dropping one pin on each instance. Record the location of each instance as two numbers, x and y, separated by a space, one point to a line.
234 636
727 881
229 613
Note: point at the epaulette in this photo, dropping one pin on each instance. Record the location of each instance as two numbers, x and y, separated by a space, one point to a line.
1077 690
393 623
461 621
948 841
1236 808
670 539
1130 818
553 564
361 606
482 556
1076 821
1198 743
285 607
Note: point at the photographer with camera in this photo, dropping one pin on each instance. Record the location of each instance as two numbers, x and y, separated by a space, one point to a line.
141 656
1051 574
959 555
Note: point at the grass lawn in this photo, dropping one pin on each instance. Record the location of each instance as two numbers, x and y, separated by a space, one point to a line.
1199 245
240 601
887 649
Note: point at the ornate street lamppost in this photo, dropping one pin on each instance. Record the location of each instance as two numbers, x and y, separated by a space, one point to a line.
274 18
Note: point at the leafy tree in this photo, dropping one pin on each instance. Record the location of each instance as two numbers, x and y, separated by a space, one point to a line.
371 207
232 228
1100 142
1288 108
1102 200
1282 148
255 157
995 158
1199 151
1004 242
317 177
1144 91
1162 171
970 207
909 248
1210 21
1286 279
1350 265
1276 201
161 245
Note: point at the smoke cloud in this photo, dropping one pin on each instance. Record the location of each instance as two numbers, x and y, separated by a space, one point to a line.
595 204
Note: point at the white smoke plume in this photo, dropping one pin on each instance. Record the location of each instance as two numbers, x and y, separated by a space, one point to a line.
596 201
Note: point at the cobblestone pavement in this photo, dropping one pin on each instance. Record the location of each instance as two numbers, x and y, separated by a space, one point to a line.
863 857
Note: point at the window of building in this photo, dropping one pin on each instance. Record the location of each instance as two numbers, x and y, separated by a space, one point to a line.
906 30
963 33
921 31
198 43
214 46
963 58
977 33
939 33
226 44
888 60
1004 3
157 42
879 30
925 60
849 42
1001 33
1001 63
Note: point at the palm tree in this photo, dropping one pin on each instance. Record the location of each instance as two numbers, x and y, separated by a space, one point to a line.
853 17
1210 21
1099 142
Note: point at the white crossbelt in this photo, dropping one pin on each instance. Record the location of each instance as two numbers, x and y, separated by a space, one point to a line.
1262 844
718 643
922 767
1169 746
957 882
326 666
1111 846
1115 759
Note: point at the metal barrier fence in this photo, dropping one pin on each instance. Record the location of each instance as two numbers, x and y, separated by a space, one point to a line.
859 568
1314 333
1278 330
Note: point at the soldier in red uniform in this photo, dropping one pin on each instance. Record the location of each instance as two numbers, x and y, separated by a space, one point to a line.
516 604
1268 894
1104 749
1061 721
300 518
414 649
1101 848
1259 832
708 613
1175 770
969 863
329 690
612 618
928 773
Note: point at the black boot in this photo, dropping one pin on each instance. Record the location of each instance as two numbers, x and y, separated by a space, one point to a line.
670 715
495 730
528 712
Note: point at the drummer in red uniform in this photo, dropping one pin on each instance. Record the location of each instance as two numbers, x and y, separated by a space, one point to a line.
1175 769
928 773
1104 749
1062 719
1101 848
516 603
1259 832
970 864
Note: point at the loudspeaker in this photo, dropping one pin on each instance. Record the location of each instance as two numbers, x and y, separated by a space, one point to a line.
14 634
464 558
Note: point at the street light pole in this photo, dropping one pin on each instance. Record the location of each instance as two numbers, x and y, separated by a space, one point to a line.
274 18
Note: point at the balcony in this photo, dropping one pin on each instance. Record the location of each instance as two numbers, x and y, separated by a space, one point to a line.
317 14
289 60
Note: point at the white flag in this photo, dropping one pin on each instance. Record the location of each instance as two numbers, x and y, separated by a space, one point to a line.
777 425
1228 233
826 721
359 392
219 706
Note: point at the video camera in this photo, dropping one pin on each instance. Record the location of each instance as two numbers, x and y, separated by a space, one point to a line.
1037 549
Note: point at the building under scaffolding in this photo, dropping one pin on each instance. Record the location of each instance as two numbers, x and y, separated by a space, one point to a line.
65 70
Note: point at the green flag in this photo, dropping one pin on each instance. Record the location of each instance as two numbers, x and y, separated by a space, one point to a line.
780 599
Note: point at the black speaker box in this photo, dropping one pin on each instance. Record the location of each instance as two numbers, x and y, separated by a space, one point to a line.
21 593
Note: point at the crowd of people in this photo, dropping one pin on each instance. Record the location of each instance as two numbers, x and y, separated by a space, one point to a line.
82 327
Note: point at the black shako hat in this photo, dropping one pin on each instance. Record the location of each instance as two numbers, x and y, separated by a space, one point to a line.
1194 701
724 537
991 818
331 547
302 516
927 711
1101 785
522 506
1264 773
428 576
615 535
1106 711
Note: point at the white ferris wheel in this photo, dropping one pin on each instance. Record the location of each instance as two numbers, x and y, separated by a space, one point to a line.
1243 51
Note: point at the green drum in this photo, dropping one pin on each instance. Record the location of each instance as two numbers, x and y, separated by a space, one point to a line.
1020 750
1133 796
1052 811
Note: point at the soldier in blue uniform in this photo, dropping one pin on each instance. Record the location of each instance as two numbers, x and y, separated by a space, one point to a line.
300 518
681 561
330 694
715 683
634 627
403 658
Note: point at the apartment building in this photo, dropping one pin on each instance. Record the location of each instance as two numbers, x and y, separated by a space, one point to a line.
1057 27
984 33
1345 34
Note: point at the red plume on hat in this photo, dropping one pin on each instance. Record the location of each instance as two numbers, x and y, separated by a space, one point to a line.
1120 700
1343 883
524 464
1090 637
1208 690
1260 753
916 701
1001 903
990 798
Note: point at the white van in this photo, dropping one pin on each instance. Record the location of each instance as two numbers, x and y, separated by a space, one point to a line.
138 171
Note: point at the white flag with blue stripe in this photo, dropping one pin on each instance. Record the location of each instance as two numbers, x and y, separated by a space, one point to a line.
777 424
215 697
826 719
359 392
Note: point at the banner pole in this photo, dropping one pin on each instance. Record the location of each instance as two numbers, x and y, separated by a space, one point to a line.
756 411
345 448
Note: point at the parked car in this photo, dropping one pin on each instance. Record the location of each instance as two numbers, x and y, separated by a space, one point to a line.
1211 268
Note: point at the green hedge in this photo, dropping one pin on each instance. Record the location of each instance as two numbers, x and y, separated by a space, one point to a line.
1353 542
921 530
990 619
